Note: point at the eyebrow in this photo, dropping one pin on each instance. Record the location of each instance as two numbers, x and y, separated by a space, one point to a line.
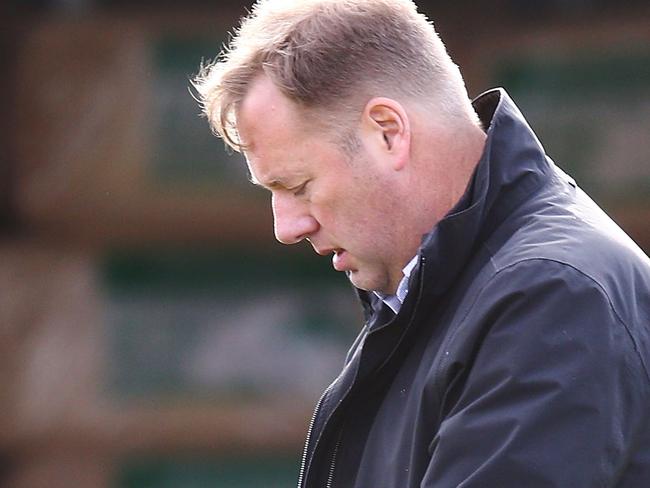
271 185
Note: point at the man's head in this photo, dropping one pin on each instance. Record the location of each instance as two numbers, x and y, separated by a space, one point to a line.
331 56
354 116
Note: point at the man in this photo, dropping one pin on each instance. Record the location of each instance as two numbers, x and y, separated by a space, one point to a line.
507 336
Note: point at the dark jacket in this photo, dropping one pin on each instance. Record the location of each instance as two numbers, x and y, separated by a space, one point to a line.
520 357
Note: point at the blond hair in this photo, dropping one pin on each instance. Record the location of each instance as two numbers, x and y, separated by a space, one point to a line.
333 56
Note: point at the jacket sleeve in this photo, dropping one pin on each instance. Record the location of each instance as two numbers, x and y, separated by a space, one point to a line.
552 392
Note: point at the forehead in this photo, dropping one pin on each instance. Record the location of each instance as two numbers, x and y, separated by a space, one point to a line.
277 135
267 127
266 113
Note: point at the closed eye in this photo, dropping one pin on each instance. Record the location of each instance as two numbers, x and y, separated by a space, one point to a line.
300 190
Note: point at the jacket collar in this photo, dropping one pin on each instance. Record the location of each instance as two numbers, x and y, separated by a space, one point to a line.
513 165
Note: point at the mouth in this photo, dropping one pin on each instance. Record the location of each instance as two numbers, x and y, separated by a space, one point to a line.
339 260
324 251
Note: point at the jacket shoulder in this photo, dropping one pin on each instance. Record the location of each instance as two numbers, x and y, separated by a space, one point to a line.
572 242
521 382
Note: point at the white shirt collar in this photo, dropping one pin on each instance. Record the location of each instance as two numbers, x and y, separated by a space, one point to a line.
395 301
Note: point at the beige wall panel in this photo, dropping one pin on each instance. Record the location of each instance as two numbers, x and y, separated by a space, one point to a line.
84 140
52 339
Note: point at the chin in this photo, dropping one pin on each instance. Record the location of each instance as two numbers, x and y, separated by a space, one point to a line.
365 282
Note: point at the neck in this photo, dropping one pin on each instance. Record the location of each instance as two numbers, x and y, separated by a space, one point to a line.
447 159
441 165
473 145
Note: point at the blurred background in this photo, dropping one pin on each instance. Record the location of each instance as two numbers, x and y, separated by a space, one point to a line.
152 333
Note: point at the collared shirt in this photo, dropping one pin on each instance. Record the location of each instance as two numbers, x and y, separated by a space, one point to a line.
395 301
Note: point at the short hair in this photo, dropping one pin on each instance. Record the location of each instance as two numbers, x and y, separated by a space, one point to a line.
332 56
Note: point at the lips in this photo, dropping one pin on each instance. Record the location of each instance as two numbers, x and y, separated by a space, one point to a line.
324 251
339 260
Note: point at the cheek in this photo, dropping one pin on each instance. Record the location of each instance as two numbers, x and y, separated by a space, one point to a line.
354 211
336 219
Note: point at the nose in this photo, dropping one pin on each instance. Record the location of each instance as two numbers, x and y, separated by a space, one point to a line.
292 220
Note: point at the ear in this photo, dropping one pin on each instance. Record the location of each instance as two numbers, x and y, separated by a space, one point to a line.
388 130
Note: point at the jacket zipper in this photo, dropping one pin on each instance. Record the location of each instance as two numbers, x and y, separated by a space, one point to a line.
309 433
330 474
330 477
319 404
